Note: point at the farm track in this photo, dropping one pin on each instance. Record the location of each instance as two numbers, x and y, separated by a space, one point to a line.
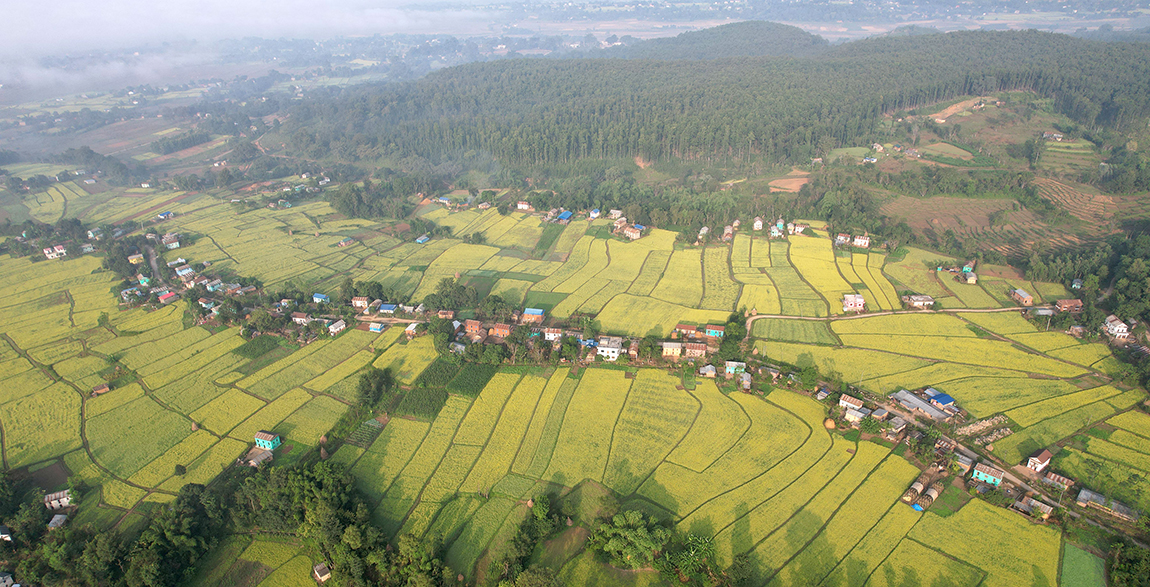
51 374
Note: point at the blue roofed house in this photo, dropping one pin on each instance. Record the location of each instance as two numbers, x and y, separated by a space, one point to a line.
375 327
734 367
387 308
716 331
268 440
942 400
318 298
423 239
565 215
594 214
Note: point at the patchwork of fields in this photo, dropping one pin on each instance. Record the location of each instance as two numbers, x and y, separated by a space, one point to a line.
180 396
763 476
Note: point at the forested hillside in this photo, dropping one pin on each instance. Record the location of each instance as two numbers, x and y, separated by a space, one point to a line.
776 109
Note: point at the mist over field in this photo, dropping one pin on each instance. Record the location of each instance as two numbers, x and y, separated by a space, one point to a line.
36 28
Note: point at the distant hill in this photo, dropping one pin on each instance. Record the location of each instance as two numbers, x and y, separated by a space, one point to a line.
741 39
913 30
1108 34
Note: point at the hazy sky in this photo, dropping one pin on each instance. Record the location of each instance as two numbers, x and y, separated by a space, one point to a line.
48 27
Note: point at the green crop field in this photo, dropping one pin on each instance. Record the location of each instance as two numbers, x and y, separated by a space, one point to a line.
466 446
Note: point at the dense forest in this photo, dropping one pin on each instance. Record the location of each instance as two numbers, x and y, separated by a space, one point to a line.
774 109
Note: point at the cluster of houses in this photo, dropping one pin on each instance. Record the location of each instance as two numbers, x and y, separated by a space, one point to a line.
60 504
855 411
861 241
779 229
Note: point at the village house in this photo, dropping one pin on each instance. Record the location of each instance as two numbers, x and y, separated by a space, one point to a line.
594 214
734 368
672 350
987 474
168 298
300 318
619 224
862 242
745 381
411 331
564 217
87 248
708 371
58 251
715 331
6 536
500 330
1072 306
736 224
728 233
552 334
855 416
388 308
969 278
336 327
1020 296
850 402
634 232
422 240
853 303
171 241
1076 284
318 298
1052 478
360 302
346 242
918 301
842 239
268 440
1039 460
1048 136
375 327
757 224
913 403
1034 507
610 347
258 456
472 326
523 205
1116 328
633 349
206 304
799 228
693 350
685 331
57 521
321 572
532 316
101 389
613 214
703 232
446 314
58 500
95 234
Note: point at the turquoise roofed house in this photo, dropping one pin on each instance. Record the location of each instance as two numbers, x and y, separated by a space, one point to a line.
268 440
987 474
319 298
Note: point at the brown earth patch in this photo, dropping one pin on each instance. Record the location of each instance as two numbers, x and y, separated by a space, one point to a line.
955 109
788 184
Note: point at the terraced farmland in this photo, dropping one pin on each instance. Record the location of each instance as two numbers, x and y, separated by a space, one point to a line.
813 505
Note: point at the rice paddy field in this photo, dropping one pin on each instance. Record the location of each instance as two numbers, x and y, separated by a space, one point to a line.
760 474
